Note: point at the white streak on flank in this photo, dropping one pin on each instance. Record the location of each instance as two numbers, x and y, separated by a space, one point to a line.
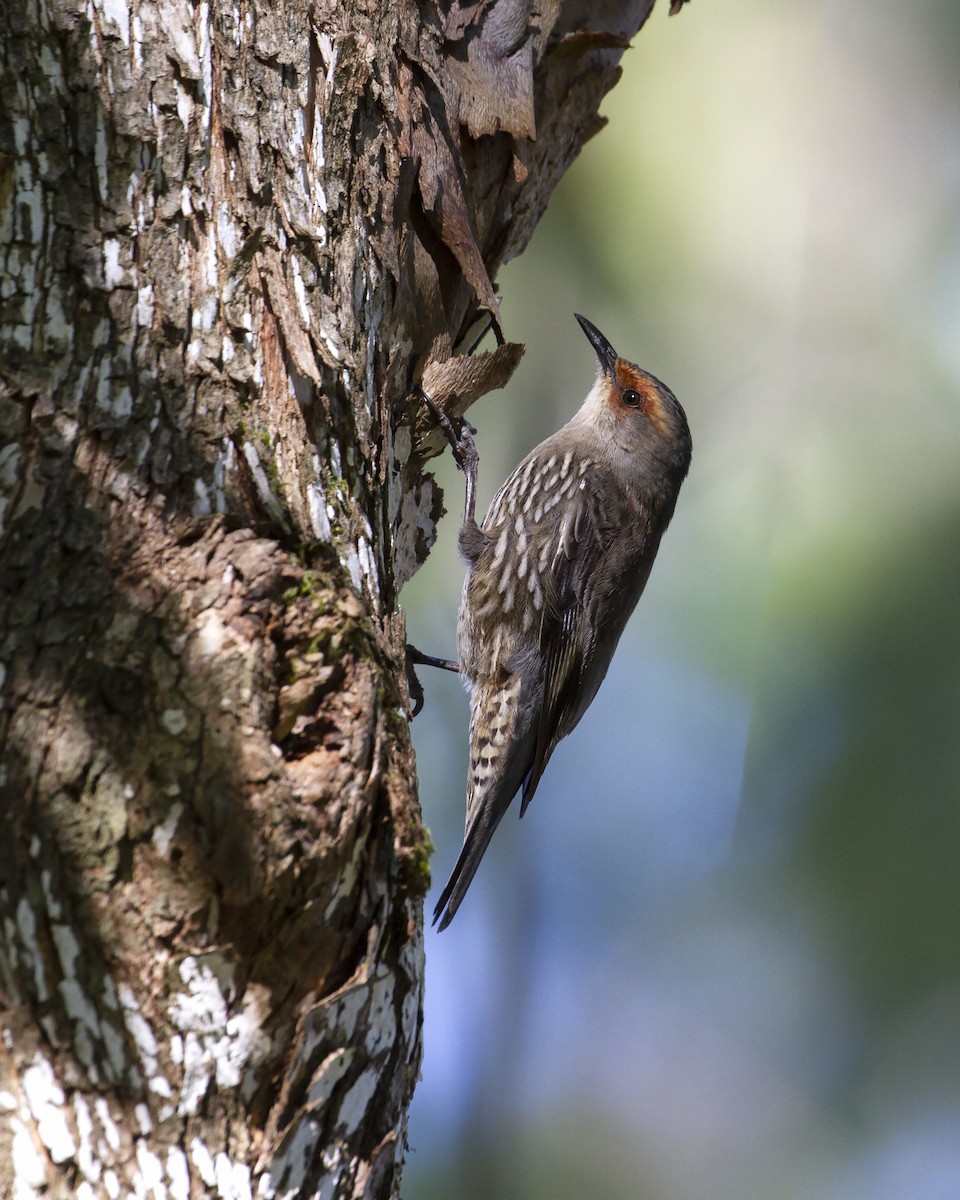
500 550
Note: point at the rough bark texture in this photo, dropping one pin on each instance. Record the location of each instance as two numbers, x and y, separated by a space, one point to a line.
232 236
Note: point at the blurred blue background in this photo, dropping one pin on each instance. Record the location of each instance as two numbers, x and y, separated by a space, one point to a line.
721 954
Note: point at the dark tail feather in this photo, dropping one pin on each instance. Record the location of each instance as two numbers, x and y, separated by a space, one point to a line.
474 846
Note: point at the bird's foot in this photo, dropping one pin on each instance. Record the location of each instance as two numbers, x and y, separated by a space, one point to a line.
460 436
416 657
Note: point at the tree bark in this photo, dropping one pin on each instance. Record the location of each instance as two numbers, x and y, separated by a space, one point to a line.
234 237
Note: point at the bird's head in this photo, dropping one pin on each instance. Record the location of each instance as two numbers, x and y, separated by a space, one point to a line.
633 412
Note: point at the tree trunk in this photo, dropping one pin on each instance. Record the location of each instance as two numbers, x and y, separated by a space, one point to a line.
234 236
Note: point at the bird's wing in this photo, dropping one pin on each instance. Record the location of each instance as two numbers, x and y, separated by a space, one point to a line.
567 637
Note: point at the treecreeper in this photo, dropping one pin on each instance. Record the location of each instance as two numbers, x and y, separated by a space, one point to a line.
555 569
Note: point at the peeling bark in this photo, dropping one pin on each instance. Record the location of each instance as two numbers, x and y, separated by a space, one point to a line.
234 237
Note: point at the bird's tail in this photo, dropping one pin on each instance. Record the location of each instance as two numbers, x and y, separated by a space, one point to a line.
474 846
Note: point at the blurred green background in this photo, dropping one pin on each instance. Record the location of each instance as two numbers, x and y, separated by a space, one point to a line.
721 955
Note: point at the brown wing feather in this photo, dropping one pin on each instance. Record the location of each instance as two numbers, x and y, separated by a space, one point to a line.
566 636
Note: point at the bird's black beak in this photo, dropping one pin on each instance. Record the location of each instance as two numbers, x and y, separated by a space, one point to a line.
604 351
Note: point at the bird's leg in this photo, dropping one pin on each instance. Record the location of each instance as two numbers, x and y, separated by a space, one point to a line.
414 658
465 453
428 660
472 539
414 686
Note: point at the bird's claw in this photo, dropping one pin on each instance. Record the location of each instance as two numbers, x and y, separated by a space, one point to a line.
461 439
415 657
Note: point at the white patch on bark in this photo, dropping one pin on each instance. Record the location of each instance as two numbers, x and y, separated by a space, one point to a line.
301 292
143 1037
212 635
110 994
184 104
233 1179
52 903
137 25
346 881
331 1071
90 1166
113 273
203 1161
68 948
163 833
29 1166
174 721
414 529
110 1130
351 561
216 1043
175 24
381 1019
328 52
224 462
118 12
201 502
45 1099
151 1172
206 63
369 568
412 965
267 498
178 1172
145 306
100 156
11 464
76 1003
227 231
27 926
329 333
298 1150
318 506
356 1103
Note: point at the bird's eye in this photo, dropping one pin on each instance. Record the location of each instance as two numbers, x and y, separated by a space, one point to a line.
631 398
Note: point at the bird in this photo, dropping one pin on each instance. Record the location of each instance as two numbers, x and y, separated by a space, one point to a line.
554 571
